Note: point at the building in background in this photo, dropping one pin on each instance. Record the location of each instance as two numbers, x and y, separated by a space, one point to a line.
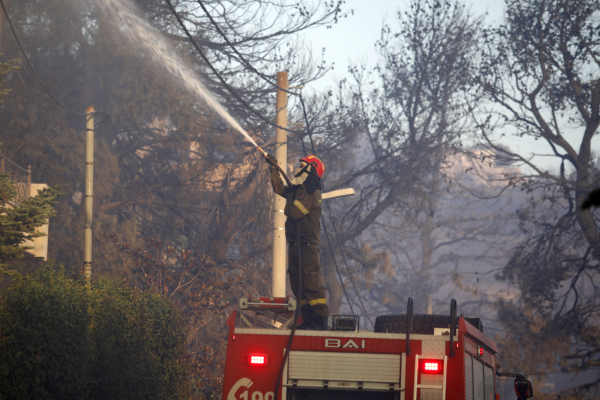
21 178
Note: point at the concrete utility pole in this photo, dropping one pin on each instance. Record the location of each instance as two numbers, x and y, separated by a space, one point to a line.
89 194
279 247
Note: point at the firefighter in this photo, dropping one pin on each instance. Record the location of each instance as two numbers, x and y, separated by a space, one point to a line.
303 206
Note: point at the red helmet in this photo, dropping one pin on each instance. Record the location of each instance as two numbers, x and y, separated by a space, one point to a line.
315 162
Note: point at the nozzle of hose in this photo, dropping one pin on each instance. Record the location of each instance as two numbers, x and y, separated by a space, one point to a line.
268 157
264 153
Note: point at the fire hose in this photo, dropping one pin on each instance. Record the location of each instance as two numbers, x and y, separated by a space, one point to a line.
295 323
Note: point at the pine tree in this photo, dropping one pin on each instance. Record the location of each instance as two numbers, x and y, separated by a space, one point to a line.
5 68
19 219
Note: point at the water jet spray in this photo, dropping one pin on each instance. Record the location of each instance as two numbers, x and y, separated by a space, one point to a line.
139 32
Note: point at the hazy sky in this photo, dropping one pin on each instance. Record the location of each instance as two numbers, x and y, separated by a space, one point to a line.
352 40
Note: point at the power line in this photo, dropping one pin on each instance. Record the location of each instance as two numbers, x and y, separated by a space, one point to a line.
213 69
38 78
312 145
236 96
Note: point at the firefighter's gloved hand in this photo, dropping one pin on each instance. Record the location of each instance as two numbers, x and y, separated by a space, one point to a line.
270 159
289 196
273 171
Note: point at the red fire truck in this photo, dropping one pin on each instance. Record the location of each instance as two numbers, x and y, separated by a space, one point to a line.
406 357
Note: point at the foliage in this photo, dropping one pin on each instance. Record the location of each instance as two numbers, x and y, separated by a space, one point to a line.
138 343
202 290
5 68
192 280
44 337
401 124
20 218
169 169
540 73
62 340
166 167
161 147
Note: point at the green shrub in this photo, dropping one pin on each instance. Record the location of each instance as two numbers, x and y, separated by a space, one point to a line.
59 340
44 337
138 341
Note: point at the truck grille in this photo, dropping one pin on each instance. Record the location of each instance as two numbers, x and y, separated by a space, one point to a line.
353 367
478 392
468 377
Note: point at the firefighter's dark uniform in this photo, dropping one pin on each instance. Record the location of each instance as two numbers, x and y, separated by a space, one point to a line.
305 208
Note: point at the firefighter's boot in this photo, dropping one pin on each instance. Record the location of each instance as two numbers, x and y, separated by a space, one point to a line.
319 323
308 314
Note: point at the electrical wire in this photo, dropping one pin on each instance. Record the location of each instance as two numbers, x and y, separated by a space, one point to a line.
214 70
38 78
312 145
174 12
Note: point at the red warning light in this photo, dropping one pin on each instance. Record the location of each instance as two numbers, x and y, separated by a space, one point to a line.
258 360
479 351
431 366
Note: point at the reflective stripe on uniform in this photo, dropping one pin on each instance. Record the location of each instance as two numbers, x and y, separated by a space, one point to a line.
300 207
303 302
318 301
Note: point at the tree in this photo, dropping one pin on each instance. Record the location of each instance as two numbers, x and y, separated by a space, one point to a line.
161 145
138 344
202 290
20 218
399 131
39 356
5 68
446 242
167 168
540 74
